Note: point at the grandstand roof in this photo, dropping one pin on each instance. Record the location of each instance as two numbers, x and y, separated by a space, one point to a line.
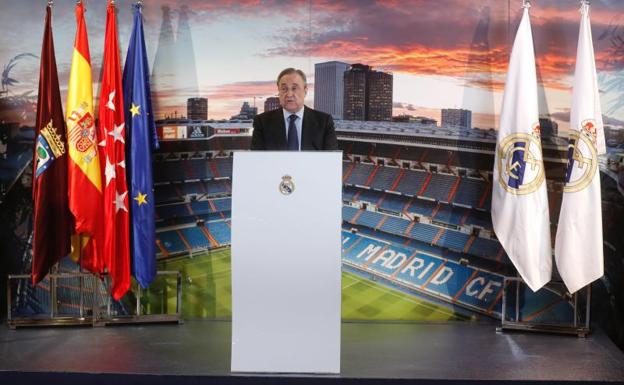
414 130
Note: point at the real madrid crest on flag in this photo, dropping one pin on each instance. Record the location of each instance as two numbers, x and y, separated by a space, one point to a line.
519 200
520 165
287 186
578 247
582 157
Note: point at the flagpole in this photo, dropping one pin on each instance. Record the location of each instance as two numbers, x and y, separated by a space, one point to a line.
81 276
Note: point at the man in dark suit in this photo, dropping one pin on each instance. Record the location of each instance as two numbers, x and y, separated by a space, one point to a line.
293 127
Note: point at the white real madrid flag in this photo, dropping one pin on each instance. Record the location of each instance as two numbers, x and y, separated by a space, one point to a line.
578 247
519 201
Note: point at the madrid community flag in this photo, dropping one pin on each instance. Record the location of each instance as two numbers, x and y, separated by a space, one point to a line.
519 200
578 246
141 139
52 218
111 130
84 177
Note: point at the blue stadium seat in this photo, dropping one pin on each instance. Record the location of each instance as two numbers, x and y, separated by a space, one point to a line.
220 231
189 188
200 207
411 182
369 218
440 186
450 214
369 196
423 232
469 191
482 247
171 241
422 207
384 178
394 203
223 204
348 213
224 167
195 237
395 225
453 240
348 192
176 210
360 174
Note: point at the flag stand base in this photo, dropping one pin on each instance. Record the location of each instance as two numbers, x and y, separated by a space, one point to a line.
90 304
579 325
109 318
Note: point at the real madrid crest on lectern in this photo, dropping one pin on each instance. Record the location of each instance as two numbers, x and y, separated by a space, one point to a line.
520 162
287 186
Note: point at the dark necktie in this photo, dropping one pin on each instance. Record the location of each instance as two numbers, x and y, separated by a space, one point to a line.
293 140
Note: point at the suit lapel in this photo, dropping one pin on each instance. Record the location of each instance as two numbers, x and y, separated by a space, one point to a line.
307 130
280 129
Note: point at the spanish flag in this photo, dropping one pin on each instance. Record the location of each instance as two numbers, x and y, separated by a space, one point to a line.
84 177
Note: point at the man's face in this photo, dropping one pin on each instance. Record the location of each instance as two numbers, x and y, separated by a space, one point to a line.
291 91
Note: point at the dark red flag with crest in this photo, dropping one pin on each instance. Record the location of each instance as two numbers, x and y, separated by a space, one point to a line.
52 218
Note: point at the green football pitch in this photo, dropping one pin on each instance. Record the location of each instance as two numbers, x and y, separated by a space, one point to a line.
207 293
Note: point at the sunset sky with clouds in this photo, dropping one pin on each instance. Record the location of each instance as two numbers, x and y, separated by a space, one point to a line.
443 53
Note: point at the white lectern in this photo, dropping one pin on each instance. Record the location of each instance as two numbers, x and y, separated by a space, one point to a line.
286 245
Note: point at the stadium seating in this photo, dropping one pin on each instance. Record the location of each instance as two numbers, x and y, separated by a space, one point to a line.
171 241
453 240
220 231
200 207
176 210
189 188
470 191
384 178
394 203
480 218
440 186
395 225
423 232
166 193
370 196
411 182
360 174
348 213
369 218
421 207
484 248
348 193
224 167
450 214
195 237
224 204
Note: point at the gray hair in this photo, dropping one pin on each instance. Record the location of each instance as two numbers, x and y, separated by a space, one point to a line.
290 71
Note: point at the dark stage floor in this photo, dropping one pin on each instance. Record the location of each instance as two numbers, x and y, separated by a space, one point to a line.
198 352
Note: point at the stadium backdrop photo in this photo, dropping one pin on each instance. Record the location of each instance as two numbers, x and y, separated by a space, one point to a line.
415 90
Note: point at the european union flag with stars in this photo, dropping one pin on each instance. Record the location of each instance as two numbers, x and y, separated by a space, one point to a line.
141 140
